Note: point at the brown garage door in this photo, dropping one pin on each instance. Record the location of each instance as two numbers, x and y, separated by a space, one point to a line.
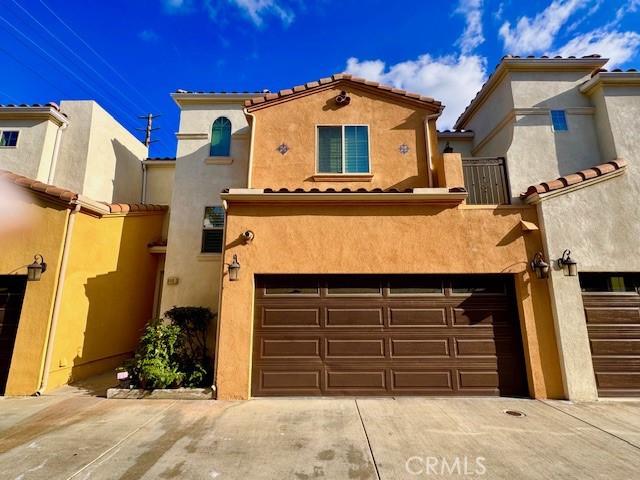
392 335
612 309
12 289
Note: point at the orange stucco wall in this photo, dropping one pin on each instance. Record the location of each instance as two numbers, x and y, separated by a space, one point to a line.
391 123
387 238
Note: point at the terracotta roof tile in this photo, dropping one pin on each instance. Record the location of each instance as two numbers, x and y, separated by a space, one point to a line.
340 77
575 178
70 197
53 105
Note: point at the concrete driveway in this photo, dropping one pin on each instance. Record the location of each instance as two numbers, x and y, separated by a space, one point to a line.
82 437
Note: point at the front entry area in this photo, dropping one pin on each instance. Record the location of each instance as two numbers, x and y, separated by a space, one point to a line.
12 288
387 335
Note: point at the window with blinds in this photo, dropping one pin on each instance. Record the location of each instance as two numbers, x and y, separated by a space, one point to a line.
212 230
343 149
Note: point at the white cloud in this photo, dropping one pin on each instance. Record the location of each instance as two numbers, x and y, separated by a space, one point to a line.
536 35
177 6
453 80
472 36
619 47
256 10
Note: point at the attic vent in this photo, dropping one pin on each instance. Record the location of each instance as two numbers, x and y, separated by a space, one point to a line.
343 99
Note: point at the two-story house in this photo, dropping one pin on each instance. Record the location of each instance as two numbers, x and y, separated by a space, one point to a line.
342 256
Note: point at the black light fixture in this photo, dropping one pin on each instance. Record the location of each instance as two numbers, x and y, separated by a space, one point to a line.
568 264
233 268
539 266
36 269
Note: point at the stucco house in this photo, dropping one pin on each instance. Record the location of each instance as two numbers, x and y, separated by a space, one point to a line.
373 254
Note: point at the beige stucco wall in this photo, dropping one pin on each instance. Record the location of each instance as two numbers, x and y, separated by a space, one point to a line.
391 124
197 184
311 239
98 156
159 187
32 155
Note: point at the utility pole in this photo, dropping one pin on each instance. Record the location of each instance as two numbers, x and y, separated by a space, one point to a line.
148 129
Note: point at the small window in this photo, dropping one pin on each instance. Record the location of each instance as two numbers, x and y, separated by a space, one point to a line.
343 149
347 286
559 121
295 286
212 230
221 137
610 282
9 139
423 286
480 284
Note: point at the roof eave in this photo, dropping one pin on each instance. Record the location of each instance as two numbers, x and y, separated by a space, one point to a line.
187 98
618 79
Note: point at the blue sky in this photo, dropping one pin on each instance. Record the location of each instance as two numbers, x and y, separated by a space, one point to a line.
129 55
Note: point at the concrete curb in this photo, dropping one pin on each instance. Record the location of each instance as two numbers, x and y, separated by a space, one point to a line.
160 394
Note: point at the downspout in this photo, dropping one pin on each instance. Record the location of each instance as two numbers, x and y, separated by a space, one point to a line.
56 149
214 386
57 300
144 182
427 119
253 135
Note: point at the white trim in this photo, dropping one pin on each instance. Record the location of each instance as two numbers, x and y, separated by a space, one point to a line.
342 126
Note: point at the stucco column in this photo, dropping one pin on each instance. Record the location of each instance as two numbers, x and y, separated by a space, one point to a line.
572 337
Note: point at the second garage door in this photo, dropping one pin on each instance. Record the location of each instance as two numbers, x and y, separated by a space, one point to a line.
386 335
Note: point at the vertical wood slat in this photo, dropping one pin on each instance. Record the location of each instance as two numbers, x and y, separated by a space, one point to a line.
485 180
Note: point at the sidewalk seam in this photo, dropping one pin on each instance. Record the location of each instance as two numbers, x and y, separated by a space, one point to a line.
366 435
590 424
122 440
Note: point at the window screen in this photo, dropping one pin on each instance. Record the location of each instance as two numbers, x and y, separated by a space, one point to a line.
212 230
343 149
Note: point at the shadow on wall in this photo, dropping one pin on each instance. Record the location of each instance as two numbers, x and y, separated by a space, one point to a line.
120 301
127 176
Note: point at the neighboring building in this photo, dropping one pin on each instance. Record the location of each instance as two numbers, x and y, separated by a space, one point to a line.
569 120
86 313
77 146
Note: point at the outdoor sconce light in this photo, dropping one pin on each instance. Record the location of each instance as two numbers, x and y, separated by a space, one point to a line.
233 268
568 264
539 266
36 269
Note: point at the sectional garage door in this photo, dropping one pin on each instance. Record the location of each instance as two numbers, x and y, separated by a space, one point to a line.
12 288
612 309
386 335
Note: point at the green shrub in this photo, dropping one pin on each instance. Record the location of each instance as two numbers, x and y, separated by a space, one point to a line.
173 352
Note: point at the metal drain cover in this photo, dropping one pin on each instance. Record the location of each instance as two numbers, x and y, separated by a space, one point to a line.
515 413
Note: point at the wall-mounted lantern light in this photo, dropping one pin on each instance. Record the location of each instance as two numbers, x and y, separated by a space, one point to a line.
539 266
568 264
233 268
36 269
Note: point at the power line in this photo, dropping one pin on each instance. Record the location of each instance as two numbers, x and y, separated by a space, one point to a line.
112 68
17 60
79 57
68 70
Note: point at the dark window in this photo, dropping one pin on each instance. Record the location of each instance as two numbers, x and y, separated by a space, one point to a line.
9 139
610 282
297 286
212 230
480 284
221 137
559 121
415 287
350 286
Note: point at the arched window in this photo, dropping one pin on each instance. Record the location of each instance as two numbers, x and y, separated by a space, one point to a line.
221 137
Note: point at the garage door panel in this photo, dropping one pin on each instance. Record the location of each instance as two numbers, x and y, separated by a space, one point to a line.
414 317
354 317
420 348
612 315
288 317
348 348
419 380
479 317
615 346
364 338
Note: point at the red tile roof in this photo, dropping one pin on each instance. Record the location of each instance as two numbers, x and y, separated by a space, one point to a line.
267 98
574 178
345 190
72 198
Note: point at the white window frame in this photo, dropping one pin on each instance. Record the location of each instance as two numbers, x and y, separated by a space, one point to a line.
566 120
317 127
17 141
